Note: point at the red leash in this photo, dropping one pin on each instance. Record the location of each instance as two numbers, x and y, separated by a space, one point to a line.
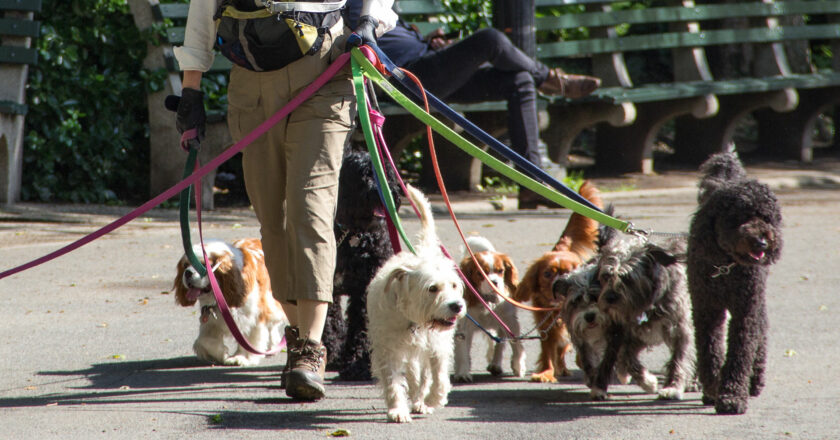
196 176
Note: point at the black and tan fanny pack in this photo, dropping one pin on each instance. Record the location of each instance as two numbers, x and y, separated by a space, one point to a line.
265 38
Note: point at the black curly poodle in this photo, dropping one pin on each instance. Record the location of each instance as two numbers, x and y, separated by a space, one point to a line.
363 245
735 236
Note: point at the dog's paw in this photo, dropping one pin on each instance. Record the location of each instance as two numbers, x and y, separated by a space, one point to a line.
421 408
623 377
670 393
435 401
731 405
463 378
495 370
649 383
242 361
598 394
399 415
544 377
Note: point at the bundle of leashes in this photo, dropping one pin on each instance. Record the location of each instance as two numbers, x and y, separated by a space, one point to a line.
371 63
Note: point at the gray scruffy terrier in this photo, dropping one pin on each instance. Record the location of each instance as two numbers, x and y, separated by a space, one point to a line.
644 292
735 235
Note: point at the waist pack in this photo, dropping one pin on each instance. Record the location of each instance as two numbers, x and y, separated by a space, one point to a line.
261 40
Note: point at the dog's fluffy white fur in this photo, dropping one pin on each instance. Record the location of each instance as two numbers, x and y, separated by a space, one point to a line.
240 271
414 303
503 275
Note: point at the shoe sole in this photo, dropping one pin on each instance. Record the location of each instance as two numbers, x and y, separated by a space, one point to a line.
309 392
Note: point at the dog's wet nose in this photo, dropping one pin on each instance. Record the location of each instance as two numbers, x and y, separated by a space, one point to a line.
761 243
456 307
589 317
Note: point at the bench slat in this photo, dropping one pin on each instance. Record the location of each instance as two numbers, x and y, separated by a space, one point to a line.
21 5
673 40
18 55
173 11
682 14
19 28
13 108
419 7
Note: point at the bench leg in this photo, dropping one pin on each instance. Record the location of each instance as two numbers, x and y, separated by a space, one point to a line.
630 149
697 139
790 135
566 122
11 157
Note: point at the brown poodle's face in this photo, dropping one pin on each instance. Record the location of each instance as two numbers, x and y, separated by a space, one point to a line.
753 242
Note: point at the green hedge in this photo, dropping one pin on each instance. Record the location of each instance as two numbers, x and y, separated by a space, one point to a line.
87 127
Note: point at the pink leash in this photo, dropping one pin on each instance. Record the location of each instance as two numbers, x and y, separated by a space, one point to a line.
180 186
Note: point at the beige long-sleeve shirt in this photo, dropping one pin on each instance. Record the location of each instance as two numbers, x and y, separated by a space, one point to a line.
200 34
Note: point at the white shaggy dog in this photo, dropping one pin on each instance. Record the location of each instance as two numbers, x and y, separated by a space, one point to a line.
414 303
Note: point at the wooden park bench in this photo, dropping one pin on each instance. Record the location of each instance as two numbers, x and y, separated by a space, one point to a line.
18 29
663 61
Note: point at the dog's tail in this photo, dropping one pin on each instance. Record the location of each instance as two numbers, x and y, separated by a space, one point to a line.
717 171
581 233
427 235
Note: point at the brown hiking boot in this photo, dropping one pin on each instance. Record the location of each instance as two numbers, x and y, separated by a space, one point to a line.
292 336
569 85
305 379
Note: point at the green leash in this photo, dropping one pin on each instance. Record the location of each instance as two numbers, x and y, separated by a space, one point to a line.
361 62
364 117
184 208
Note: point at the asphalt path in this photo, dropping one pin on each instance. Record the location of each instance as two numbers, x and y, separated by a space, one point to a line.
94 346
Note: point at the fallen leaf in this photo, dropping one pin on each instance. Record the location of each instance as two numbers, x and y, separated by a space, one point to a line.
53 404
236 226
216 418
144 301
117 356
30 388
790 353
340 433
823 308
102 325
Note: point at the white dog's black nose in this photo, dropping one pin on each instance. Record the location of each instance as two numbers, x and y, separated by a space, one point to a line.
456 307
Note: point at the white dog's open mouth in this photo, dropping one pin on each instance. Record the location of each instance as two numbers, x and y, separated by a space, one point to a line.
444 323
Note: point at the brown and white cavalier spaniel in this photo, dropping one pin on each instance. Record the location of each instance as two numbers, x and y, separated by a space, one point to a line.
576 245
502 274
240 271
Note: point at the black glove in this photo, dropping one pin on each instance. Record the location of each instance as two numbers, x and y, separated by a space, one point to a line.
366 30
190 113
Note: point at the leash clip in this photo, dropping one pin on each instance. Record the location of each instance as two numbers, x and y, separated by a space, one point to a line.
641 233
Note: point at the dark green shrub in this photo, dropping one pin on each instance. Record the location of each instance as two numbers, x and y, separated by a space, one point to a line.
87 127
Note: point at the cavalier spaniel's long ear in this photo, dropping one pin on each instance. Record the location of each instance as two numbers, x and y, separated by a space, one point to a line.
178 285
230 279
511 274
529 283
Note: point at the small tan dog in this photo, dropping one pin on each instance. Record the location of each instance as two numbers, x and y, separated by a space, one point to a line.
240 271
414 302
